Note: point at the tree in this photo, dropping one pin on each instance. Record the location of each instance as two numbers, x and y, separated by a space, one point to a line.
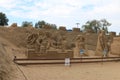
41 24
3 19
93 25
87 27
96 25
105 24
53 26
26 24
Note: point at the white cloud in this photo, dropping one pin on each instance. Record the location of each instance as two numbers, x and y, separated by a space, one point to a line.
7 4
66 12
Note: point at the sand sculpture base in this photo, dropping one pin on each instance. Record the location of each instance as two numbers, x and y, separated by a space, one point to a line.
50 54
77 53
98 53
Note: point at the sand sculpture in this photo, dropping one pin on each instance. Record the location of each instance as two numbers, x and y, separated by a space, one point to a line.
31 40
59 41
79 46
63 43
39 42
49 41
45 43
102 44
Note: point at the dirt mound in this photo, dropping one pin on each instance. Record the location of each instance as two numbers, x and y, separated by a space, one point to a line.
4 62
9 70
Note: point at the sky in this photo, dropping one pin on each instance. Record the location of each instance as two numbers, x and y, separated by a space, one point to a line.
62 12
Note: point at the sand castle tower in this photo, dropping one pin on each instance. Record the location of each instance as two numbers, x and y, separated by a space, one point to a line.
62 28
76 29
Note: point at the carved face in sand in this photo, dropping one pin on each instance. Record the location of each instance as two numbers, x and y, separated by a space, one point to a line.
80 38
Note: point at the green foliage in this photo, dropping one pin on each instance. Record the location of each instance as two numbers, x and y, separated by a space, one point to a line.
96 25
3 19
41 24
26 24
105 25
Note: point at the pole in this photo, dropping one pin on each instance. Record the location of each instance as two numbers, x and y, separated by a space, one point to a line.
77 24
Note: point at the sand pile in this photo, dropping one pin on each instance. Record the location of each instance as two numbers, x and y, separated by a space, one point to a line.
8 69
5 64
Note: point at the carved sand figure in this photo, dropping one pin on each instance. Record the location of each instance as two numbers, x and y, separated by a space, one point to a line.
63 43
31 40
109 42
79 45
102 48
39 42
57 38
49 42
86 44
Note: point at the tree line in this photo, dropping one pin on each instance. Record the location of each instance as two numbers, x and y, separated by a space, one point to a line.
39 24
93 25
96 25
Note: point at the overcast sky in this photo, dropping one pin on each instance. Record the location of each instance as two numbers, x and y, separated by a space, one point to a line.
62 12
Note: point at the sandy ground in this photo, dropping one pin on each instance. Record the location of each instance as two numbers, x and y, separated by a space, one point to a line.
92 71
96 71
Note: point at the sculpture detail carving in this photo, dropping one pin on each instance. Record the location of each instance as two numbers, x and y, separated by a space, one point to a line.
102 44
63 43
46 41
80 42
79 45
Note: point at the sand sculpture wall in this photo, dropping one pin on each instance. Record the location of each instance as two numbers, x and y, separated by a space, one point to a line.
50 44
18 37
113 34
59 44
62 28
115 46
76 29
